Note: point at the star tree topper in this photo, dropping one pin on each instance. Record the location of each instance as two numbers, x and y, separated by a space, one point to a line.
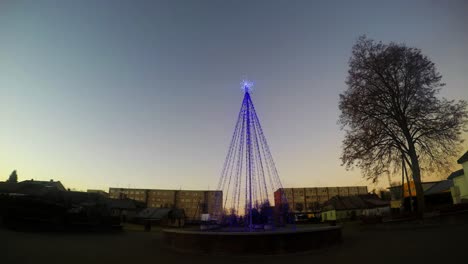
247 86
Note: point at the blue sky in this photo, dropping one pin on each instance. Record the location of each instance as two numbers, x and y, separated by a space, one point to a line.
146 93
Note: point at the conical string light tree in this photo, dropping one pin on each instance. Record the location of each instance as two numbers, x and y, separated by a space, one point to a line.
249 177
249 180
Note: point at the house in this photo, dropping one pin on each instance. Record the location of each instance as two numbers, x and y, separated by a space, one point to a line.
350 207
100 192
125 209
459 190
436 194
32 203
48 184
31 187
162 216
396 190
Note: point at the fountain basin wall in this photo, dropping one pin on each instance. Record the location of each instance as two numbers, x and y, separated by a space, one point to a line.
246 243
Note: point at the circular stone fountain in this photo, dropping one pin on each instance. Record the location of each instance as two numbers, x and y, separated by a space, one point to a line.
279 241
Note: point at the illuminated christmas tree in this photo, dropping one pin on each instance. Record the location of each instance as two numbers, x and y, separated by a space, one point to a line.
249 177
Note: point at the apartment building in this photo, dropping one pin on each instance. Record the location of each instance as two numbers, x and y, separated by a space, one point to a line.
310 199
193 202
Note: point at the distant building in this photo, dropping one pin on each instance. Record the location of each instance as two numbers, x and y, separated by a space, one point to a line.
351 207
459 190
310 199
101 192
439 195
193 202
385 195
49 202
162 216
51 184
126 209
395 191
31 187
436 194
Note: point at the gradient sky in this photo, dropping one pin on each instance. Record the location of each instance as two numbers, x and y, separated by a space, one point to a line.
103 94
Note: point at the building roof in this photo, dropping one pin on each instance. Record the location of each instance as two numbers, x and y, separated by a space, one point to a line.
355 202
375 201
396 190
426 184
463 158
95 191
160 213
34 188
455 174
122 204
51 184
440 187
73 197
154 213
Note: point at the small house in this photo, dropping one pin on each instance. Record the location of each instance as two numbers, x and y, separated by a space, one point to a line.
352 207
459 190
170 217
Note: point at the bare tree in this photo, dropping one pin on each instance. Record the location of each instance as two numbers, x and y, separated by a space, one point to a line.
391 111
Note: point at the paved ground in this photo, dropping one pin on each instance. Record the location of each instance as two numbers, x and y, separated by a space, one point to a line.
413 245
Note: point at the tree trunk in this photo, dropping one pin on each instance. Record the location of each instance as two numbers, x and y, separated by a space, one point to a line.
409 188
417 181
